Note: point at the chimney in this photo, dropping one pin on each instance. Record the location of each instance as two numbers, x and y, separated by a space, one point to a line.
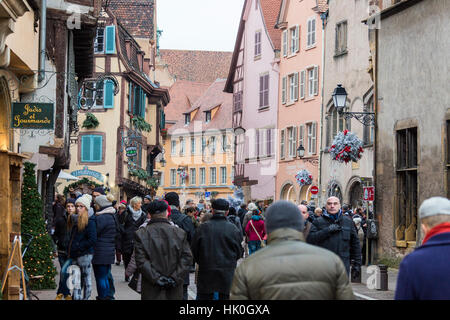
128 47
140 57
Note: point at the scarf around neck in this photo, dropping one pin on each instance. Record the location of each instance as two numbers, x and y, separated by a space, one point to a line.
440 228
135 214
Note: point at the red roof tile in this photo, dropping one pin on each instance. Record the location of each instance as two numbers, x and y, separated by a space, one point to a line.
136 16
195 65
270 10
213 97
182 95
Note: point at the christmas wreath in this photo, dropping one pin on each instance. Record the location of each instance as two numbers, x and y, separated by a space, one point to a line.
303 177
346 147
183 174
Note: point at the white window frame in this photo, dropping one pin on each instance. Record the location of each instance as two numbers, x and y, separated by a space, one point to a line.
284 90
224 142
193 146
212 143
213 174
302 83
173 177
182 146
293 87
285 43
282 144
301 136
202 176
96 40
192 176
222 176
173 147
311 33
294 39
187 119
311 81
264 90
258 36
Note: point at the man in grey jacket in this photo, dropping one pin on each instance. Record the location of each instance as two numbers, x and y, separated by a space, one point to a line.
289 268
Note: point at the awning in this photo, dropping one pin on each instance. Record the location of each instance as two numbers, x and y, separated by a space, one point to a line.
66 176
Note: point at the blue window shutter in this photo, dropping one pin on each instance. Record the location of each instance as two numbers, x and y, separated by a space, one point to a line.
108 94
85 148
130 96
97 148
110 39
144 100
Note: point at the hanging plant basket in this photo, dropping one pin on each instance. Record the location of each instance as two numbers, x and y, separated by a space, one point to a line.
91 121
346 147
141 174
140 124
183 175
303 177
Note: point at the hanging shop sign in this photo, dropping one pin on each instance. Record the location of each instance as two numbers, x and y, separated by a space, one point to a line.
86 172
32 115
131 151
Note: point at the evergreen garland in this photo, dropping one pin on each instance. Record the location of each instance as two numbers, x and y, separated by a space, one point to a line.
38 258
90 122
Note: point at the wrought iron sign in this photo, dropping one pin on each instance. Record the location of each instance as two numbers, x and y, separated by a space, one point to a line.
90 91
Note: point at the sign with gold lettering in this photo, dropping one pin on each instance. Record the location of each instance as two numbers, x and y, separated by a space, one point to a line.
31 115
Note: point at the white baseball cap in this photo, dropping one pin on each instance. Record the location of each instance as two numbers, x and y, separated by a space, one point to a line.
434 206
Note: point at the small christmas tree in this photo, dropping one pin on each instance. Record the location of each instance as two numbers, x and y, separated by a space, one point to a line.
38 258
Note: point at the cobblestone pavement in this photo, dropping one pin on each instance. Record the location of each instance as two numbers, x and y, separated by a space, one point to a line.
123 292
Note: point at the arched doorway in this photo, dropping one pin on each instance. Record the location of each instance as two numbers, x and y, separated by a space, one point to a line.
5 102
288 193
334 190
356 194
305 194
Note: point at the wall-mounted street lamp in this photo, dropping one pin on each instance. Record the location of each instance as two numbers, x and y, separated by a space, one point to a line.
340 98
162 162
301 154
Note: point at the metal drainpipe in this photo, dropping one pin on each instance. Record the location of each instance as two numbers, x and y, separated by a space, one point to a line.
42 39
323 16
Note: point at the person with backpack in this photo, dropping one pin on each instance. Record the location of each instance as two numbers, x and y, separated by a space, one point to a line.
185 223
105 247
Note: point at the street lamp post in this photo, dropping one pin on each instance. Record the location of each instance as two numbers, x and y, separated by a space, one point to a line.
340 98
301 154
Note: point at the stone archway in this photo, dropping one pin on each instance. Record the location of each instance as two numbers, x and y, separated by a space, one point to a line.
305 193
355 194
335 190
288 193
5 113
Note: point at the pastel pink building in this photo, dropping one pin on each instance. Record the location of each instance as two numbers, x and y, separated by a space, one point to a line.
253 80
299 110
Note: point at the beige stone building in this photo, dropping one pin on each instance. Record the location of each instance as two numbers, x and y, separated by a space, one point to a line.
120 152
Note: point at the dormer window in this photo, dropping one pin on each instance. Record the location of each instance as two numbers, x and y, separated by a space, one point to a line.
99 41
187 118
208 116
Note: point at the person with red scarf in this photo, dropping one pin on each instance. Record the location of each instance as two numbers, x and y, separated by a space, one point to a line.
424 273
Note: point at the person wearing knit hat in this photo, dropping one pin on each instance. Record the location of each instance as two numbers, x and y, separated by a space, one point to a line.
173 199
313 273
83 235
216 248
423 273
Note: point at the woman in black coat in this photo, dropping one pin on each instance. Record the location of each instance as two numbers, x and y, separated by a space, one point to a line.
133 218
105 247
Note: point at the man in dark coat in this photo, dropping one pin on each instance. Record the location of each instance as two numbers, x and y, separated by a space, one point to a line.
216 248
423 274
184 222
147 200
162 255
336 232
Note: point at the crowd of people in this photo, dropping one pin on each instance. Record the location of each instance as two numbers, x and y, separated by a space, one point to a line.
308 252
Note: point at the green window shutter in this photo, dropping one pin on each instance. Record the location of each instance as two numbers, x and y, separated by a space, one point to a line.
85 148
110 35
130 96
97 148
143 98
108 94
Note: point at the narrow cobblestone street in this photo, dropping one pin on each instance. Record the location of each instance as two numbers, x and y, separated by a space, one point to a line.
123 292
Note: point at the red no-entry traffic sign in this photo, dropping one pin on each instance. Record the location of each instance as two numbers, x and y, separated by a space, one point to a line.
314 190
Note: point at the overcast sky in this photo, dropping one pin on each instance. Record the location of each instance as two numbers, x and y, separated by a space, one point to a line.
198 24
